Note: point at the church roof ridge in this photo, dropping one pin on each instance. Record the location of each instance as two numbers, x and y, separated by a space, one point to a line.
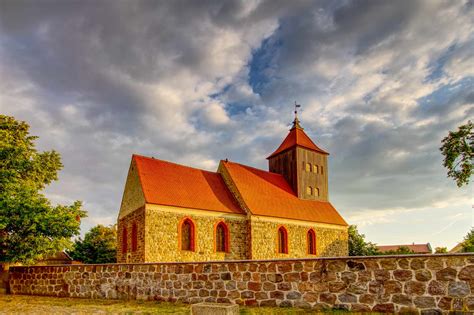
172 184
269 194
252 167
166 161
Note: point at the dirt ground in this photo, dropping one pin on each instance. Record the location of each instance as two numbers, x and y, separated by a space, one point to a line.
23 304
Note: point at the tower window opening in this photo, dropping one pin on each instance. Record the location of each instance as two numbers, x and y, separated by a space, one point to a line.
315 169
316 192
308 167
309 190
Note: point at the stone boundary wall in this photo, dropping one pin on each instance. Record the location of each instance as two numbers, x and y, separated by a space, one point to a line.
420 283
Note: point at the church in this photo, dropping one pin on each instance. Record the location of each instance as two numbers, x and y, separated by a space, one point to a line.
172 213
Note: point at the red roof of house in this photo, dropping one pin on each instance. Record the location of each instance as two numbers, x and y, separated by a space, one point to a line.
297 137
171 184
269 194
416 248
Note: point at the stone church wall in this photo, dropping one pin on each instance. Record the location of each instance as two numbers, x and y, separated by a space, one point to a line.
412 283
162 235
330 240
133 197
131 256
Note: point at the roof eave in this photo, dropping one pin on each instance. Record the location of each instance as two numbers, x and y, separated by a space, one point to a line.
288 218
297 145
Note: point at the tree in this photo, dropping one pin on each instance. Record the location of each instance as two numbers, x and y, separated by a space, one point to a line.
98 247
357 244
441 250
458 151
30 227
468 243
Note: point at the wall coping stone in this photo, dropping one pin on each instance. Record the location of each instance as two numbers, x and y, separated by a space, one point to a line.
287 260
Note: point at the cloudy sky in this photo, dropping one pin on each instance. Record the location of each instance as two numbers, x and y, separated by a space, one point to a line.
380 83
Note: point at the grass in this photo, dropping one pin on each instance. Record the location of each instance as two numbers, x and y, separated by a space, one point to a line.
23 304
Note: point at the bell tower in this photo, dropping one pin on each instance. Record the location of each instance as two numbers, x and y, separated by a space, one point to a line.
302 163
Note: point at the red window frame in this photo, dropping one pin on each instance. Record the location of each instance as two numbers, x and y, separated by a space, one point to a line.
134 237
124 240
311 242
282 240
226 237
192 233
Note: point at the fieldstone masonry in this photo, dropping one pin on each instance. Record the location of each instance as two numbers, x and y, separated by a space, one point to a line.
410 283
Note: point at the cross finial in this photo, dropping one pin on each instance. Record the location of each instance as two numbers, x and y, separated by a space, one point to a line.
296 109
296 122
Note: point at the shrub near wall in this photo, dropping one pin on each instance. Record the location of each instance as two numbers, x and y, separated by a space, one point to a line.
384 284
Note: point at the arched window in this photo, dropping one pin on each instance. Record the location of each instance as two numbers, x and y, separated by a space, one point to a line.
309 190
308 167
134 237
316 192
222 237
311 241
124 240
282 240
321 169
315 169
187 235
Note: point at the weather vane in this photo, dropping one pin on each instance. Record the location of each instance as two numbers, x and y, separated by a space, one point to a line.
296 122
296 109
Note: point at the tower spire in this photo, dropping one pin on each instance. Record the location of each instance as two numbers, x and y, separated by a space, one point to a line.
296 122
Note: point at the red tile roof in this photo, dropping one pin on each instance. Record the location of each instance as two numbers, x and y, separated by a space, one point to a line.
171 184
269 194
416 248
297 137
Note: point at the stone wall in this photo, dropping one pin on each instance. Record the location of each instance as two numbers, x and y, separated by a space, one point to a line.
331 241
419 283
162 233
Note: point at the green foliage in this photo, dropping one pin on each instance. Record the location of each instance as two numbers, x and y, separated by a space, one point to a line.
441 250
458 151
402 250
98 247
357 244
30 227
468 244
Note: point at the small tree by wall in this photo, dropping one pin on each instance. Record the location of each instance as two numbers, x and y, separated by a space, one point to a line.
468 243
98 246
357 244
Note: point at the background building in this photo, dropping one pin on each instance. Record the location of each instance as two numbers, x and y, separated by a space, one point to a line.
416 248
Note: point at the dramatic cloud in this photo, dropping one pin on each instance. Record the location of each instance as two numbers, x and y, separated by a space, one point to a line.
381 83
